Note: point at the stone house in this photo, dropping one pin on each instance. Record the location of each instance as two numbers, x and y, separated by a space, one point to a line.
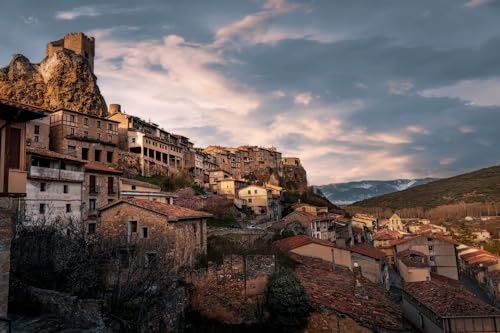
307 208
229 187
37 132
316 248
194 165
159 151
364 221
372 262
444 305
86 137
413 266
136 189
326 227
54 188
260 201
182 230
100 188
395 223
13 179
215 176
440 251
383 240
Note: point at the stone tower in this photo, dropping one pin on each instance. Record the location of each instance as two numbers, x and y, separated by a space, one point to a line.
77 42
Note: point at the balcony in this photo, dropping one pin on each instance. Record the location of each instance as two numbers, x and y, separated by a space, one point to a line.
57 174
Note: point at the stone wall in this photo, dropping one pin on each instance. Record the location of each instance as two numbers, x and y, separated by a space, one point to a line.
7 209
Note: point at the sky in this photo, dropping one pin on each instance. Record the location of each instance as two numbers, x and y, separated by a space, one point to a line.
358 89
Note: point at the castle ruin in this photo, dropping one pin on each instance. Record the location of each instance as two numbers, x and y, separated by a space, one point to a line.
76 42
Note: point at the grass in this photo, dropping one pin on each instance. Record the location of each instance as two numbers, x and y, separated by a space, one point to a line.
477 186
221 222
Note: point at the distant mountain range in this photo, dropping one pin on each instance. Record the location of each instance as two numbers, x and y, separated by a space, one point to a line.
480 186
347 193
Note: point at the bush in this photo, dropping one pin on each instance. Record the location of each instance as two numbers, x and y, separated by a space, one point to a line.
287 302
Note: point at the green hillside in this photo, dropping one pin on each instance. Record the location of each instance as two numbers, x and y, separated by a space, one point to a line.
477 186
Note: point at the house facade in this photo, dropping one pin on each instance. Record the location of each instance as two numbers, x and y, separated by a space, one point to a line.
86 137
54 189
182 231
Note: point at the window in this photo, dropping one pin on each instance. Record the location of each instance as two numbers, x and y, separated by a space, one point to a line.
249 192
249 200
37 129
133 187
72 118
91 228
432 258
92 184
132 225
91 205
85 134
98 124
85 154
97 155
43 187
68 208
110 127
86 121
14 156
255 192
71 149
144 232
110 138
111 189
37 138
109 156
72 131
65 189
42 208
431 247
133 140
98 136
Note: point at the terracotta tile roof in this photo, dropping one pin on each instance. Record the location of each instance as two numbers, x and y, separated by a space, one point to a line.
427 234
136 182
368 251
22 105
333 290
98 167
448 298
294 242
51 154
387 234
173 212
478 253
412 258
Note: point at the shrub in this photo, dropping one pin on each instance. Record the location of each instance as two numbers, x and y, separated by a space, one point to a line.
287 302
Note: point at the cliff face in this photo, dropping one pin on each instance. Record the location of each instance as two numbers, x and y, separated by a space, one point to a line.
64 80
294 178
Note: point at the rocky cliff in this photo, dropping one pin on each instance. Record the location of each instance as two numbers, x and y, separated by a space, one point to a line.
63 80
294 178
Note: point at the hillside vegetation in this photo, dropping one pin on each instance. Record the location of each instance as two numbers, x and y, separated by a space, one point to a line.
474 187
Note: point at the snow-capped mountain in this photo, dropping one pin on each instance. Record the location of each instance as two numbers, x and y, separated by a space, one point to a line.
347 193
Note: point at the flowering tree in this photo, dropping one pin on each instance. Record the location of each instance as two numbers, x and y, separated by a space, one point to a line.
186 197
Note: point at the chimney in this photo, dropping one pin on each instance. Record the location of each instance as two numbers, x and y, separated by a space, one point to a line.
115 108
359 289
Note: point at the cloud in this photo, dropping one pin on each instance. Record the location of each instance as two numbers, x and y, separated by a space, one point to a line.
303 98
30 20
399 87
482 92
93 11
467 129
417 129
90 11
476 3
447 161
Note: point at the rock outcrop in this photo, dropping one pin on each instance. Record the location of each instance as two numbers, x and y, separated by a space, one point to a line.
63 80
294 178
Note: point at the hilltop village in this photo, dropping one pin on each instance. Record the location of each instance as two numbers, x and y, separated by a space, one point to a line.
111 223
